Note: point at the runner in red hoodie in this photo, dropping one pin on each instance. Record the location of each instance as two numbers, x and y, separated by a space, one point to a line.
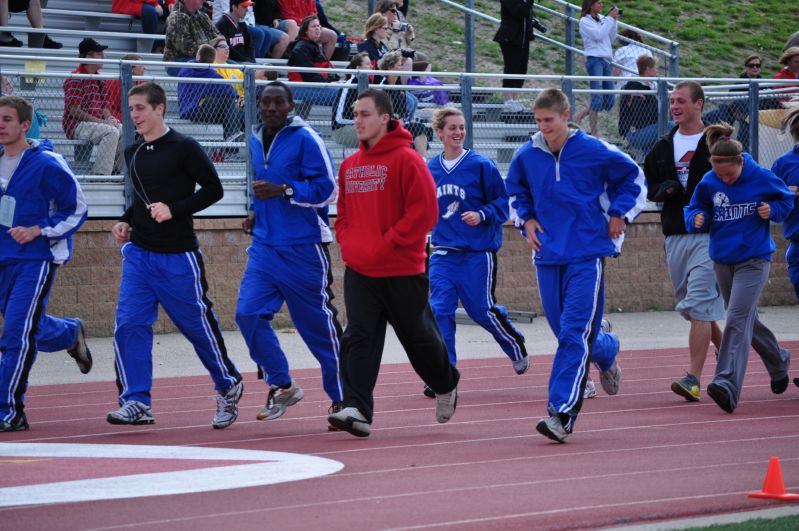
386 207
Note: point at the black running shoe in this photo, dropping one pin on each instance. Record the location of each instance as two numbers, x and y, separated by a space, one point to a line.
720 396
12 43
50 44
779 386
18 423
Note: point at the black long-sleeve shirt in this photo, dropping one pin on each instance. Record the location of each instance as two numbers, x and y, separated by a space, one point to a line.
168 170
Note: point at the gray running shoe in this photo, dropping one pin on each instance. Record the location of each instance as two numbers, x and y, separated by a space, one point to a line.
590 389
335 407
553 428
350 420
606 326
279 400
445 405
18 423
521 365
132 413
227 406
80 350
611 379
687 387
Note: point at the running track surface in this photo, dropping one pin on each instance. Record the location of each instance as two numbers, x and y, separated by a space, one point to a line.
644 455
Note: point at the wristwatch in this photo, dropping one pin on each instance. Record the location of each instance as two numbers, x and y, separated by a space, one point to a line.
288 192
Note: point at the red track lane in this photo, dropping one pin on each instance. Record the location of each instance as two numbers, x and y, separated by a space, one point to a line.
644 455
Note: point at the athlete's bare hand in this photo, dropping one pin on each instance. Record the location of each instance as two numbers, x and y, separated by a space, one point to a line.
160 212
121 232
248 223
699 220
23 235
267 190
794 189
616 227
471 218
531 227
764 210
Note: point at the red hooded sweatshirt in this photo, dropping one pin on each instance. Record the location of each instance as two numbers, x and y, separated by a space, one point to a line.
386 207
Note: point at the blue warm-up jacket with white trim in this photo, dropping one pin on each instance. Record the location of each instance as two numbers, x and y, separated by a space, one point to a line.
297 158
574 195
47 194
787 168
474 184
737 232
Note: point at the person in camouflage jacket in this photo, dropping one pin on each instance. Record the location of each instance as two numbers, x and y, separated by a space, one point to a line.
187 27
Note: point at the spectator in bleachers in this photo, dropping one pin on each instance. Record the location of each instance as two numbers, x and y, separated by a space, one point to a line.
375 32
792 41
187 27
245 42
422 134
638 113
323 20
267 14
343 122
513 36
307 52
214 103
113 88
790 60
267 41
598 33
87 114
149 11
400 34
628 53
33 9
222 50
298 10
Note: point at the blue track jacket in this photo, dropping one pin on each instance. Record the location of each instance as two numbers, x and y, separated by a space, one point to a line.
474 184
737 232
47 194
574 195
787 168
298 158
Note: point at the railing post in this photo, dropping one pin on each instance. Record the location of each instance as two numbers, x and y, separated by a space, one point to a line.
469 66
466 107
674 60
128 129
250 108
663 107
754 119
363 81
567 86
569 38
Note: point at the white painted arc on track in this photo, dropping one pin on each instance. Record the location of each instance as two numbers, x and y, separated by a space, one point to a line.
272 468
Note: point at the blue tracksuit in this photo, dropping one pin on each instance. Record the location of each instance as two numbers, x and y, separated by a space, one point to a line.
572 195
48 195
464 264
787 168
288 259
737 232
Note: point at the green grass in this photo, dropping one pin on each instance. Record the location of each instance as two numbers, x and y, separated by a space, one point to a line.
786 523
714 35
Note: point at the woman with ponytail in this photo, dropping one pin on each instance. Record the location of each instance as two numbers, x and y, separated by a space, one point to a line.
787 168
735 202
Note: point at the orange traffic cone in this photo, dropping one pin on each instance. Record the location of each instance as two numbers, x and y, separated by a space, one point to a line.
774 485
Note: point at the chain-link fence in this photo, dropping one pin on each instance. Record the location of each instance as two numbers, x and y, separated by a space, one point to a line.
218 110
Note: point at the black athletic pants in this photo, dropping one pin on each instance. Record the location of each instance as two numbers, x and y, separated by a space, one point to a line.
515 59
403 302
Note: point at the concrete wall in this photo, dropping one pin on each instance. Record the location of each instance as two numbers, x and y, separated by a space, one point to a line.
637 281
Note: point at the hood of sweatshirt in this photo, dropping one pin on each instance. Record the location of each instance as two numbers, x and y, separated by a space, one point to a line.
397 136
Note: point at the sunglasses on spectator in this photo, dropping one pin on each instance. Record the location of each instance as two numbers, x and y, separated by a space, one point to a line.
393 10
222 45
753 65
386 28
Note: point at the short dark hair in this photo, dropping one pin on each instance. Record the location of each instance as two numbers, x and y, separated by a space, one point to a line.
643 62
552 99
381 99
694 89
206 53
281 85
153 92
23 107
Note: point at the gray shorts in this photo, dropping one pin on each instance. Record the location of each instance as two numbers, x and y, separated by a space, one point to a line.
693 277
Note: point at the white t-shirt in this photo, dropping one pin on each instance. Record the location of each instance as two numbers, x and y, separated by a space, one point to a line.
8 165
684 149
449 164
